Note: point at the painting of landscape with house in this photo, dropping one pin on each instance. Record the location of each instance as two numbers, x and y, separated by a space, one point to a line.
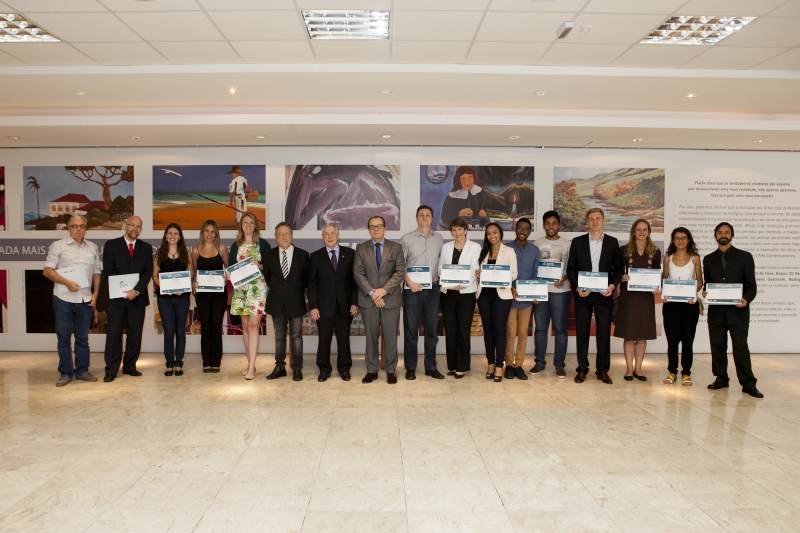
104 195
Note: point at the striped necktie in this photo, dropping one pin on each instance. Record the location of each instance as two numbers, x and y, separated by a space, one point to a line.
285 265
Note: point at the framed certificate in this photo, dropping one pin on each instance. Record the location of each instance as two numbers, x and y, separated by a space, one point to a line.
210 281
644 279
723 293
73 273
593 281
455 275
532 290
175 282
119 285
550 270
421 275
679 290
243 272
496 276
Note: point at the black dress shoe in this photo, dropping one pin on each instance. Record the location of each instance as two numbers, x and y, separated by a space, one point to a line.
297 375
458 376
135 373
509 372
345 375
605 378
640 378
754 392
718 385
519 373
627 378
323 377
278 372
179 372
207 370
108 378
580 377
369 378
411 374
391 379
215 370
434 373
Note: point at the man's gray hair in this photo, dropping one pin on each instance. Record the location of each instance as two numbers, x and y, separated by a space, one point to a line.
73 217
332 225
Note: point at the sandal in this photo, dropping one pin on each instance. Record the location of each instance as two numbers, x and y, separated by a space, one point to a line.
498 379
490 373
670 379
686 381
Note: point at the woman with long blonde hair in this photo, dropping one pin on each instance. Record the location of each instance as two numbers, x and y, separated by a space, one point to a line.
210 254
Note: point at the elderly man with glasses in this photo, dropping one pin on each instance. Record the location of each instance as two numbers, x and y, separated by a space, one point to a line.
73 265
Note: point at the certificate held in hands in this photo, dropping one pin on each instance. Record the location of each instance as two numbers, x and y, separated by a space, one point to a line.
550 270
210 281
455 276
644 279
496 276
420 275
532 290
118 286
243 272
174 282
679 290
723 293
76 274
593 281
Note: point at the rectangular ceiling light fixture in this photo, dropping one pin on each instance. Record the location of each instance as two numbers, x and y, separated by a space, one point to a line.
15 28
346 24
704 30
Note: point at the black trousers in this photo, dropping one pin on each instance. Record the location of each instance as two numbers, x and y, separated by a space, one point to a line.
117 317
680 325
457 313
211 310
325 328
601 306
718 337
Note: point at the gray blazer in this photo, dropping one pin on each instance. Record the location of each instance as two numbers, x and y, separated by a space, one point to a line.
390 277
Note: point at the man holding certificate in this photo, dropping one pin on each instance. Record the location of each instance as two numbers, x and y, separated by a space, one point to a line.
594 269
73 264
730 266
421 249
521 307
125 259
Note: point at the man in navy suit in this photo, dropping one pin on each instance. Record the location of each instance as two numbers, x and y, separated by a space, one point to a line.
333 299
127 255
594 252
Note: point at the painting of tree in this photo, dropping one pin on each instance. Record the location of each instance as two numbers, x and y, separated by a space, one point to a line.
106 177
33 185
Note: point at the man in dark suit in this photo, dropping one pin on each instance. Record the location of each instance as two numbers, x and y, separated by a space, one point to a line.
379 269
333 300
286 274
594 252
730 265
126 255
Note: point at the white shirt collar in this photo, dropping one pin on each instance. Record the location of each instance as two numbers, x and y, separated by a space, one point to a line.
462 194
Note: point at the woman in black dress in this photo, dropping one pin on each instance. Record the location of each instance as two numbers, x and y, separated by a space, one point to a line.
636 311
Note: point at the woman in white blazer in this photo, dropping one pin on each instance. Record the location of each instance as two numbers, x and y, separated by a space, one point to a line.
494 304
458 302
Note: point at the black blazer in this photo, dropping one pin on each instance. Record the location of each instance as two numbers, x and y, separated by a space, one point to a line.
117 261
328 289
580 259
739 268
286 296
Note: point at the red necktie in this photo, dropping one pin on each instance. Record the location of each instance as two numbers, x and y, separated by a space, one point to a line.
130 248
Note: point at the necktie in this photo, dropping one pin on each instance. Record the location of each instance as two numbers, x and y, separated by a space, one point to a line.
333 259
378 254
285 265
724 260
130 249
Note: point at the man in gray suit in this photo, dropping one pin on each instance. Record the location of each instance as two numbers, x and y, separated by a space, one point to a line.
379 269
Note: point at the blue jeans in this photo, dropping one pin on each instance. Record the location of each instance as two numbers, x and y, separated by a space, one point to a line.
494 316
556 309
173 311
71 318
422 305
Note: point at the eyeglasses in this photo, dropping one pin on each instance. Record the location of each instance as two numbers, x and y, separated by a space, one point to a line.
76 226
134 226
376 226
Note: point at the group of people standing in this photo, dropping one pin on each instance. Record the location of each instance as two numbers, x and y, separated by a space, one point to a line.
338 281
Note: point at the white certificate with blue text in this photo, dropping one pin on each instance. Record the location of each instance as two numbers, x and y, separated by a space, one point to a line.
592 281
495 276
420 275
210 281
532 290
455 276
175 282
243 272
644 279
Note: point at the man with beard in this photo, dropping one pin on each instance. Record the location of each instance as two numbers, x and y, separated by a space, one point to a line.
728 264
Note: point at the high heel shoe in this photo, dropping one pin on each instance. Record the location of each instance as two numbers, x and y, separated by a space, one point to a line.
490 373
458 376
498 378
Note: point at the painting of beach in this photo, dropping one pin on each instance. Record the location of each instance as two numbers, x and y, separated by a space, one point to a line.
624 195
191 194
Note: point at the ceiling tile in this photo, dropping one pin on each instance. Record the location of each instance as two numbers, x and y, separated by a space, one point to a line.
85 27
351 51
172 26
775 32
213 53
161 5
274 51
245 5
583 55
429 52
735 8
485 53
790 9
48 54
7 60
663 7
434 25
441 5
382 5
658 56
733 58
530 27
260 25
560 6
622 29
122 53
54 6
787 61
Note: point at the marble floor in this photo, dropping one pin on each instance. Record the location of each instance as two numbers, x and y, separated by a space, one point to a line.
213 452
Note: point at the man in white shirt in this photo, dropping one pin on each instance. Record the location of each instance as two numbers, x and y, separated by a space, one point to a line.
237 191
74 296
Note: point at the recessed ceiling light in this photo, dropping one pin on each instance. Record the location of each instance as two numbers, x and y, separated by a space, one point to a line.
347 24
135 137
692 96
540 93
696 30
15 28
261 136
513 137
387 91
387 136
636 140
14 138
81 93
233 90
758 141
